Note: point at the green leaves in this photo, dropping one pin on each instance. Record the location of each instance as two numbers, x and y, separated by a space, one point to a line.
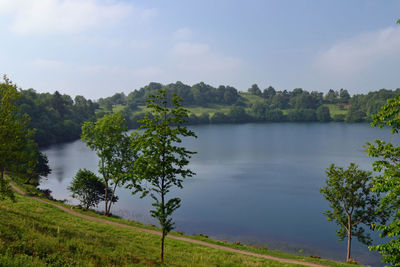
161 160
352 202
388 182
16 142
87 188
112 144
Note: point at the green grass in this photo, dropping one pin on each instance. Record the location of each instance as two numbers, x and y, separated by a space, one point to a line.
117 108
336 109
36 234
197 110
210 110
29 236
251 99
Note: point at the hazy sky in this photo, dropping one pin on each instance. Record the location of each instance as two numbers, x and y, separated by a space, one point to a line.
98 47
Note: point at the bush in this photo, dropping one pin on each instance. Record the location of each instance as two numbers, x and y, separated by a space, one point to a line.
88 188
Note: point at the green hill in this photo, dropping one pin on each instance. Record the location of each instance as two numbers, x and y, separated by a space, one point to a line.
33 233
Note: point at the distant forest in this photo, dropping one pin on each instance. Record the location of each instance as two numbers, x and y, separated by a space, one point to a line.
58 118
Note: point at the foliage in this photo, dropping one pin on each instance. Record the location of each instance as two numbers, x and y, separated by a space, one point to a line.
107 136
352 203
36 168
388 183
57 118
219 117
88 188
15 136
323 114
162 161
301 115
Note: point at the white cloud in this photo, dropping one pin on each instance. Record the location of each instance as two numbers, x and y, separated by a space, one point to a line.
148 14
197 57
49 64
65 16
360 53
183 34
140 44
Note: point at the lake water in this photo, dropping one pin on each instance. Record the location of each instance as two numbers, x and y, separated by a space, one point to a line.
255 183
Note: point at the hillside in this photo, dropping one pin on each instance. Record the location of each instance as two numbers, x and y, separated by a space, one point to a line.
38 234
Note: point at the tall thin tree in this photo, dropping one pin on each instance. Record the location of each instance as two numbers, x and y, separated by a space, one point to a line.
162 160
353 205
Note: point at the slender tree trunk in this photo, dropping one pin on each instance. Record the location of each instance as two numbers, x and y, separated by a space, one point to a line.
2 178
349 239
162 244
164 220
106 189
106 199
111 198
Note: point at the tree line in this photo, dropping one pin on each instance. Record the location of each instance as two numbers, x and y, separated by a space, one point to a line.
58 117
268 105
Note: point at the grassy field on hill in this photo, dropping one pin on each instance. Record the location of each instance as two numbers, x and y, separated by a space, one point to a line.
249 100
37 234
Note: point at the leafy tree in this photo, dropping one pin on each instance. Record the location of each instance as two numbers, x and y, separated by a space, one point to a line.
88 189
255 90
204 118
37 167
301 115
238 114
14 135
275 115
219 117
323 114
344 96
352 203
162 161
339 117
355 114
332 96
388 183
109 139
258 110
269 92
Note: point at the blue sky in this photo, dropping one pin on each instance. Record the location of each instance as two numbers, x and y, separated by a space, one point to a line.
98 47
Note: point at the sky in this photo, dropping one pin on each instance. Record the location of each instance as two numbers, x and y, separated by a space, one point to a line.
96 48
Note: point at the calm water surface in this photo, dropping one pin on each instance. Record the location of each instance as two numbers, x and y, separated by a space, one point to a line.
255 183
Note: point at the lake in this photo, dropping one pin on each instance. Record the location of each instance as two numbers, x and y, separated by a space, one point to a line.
255 183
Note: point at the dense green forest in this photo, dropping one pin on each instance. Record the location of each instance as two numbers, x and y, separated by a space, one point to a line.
58 118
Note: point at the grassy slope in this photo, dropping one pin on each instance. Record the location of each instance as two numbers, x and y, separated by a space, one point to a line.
248 98
29 237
